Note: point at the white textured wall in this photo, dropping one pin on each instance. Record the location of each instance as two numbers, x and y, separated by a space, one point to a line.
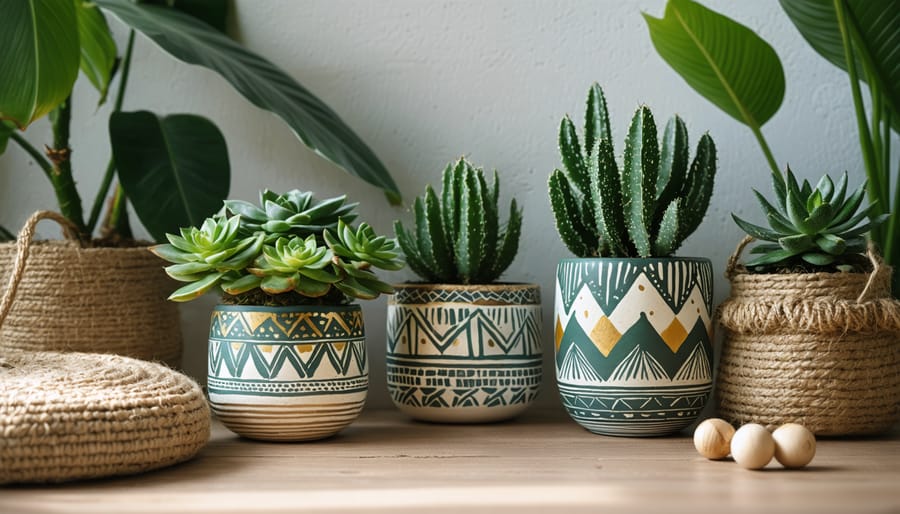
425 82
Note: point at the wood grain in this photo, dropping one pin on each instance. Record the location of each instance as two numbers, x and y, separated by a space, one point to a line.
542 462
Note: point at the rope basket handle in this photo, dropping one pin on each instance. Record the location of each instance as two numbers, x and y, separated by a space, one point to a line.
23 248
878 267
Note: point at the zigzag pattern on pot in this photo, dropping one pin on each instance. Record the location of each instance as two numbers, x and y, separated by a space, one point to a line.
288 361
604 324
464 331
288 326
445 388
609 282
517 296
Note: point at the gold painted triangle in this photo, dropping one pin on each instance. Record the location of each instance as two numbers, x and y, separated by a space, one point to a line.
674 335
559 333
605 336
254 319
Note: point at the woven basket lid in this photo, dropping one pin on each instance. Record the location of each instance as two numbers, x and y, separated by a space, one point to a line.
69 416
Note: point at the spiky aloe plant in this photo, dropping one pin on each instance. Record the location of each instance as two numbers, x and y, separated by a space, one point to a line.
276 266
295 212
820 227
646 209
459 239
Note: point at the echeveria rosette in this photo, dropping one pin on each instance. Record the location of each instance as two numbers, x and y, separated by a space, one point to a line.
210 255
292 264
355 253
293 213
820 227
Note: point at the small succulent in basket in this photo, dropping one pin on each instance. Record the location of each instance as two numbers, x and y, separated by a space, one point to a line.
459 239
811 229
290 250
645 210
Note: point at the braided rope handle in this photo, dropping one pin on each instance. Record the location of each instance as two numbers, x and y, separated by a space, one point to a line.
878 267
23 248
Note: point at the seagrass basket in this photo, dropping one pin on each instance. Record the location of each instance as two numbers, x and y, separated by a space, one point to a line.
820 349
60 296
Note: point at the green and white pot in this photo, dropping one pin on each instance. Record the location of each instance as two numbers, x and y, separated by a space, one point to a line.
464 354
633 343
287 373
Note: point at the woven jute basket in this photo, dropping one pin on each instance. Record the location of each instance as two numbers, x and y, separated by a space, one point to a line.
61 296
820 349
69 416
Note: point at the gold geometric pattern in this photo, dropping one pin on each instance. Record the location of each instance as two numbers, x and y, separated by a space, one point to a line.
674 335
605 336
559 333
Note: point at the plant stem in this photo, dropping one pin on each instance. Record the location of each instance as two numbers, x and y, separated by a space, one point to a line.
767 151
35 154
111 167
61 177
865 138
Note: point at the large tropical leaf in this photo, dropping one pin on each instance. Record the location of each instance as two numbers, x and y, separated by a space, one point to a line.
723 60
213 12
38 57
876 25
260 82
98 50
174 170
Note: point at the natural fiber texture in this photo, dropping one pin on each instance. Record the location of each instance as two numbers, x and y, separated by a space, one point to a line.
69 416
820 349
62 297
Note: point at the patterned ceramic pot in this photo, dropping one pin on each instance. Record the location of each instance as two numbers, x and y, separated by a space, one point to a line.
464 354
287 373
633 343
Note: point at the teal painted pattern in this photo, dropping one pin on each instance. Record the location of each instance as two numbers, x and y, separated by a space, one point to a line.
281 351
445 353
633 343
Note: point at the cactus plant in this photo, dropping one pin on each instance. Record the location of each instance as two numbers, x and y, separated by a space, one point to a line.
459 239
275 258
646 209
818 227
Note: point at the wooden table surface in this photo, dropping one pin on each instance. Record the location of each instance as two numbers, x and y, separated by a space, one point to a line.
542 462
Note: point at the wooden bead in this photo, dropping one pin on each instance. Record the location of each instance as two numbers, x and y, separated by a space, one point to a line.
752 446
712 438
795 445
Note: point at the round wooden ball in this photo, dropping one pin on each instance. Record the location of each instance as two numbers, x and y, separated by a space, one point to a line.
795 445
712 438
752 446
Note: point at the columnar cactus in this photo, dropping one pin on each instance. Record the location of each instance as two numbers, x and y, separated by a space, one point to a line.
458 239
648 208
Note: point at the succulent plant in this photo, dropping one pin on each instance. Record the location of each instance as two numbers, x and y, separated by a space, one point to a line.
210 255
295 212
822 227
458 239
646 209
324 264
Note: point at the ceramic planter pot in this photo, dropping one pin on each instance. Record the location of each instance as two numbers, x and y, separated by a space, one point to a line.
464 354
287 373
633 343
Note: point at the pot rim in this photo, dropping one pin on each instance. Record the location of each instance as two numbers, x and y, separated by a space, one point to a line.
287 308
494 286
638 260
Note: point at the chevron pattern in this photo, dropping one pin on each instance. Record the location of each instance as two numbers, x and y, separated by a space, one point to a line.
523 295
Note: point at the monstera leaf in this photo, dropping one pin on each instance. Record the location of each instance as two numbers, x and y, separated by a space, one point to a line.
38 57
875 35
175 170
260 82
723 60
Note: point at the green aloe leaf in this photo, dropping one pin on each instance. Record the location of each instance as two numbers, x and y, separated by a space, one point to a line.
6 235
818 259
39 57
721 59
797 243
175 170
773 257
831 244
756 231
875 31
262 83
98 50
